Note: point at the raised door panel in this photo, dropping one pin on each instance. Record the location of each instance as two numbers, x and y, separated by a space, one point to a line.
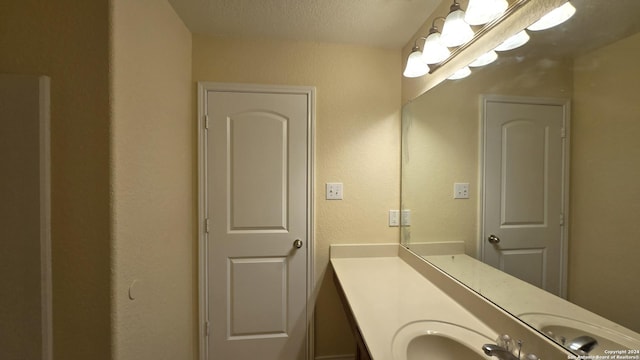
258 169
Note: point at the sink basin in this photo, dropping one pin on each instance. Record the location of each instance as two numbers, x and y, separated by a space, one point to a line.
558 327
437 340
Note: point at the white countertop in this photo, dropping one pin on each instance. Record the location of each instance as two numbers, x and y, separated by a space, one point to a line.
385 294
536 306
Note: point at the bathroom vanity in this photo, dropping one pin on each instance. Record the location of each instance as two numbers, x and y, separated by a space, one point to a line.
403 308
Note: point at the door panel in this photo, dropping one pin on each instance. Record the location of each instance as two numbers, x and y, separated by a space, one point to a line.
257 186
524 190
258 160
525 264
268 316
524 147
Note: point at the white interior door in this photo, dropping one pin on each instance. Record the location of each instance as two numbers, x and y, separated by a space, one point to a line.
524 207
25 249
258 201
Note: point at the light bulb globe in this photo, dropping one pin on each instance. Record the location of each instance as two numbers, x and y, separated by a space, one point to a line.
513 42
554 17
460 74
455 31
434 51
485 59
415 66
480 12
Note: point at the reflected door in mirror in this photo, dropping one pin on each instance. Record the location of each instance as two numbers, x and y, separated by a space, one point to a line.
523 169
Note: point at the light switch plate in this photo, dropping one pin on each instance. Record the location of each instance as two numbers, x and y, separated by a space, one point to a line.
334 191
461 190
394 217
405 218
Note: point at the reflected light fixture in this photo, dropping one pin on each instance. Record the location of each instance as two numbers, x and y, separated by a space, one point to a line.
485 59
415 66
554 17
480 12
460 74
513 42
434 51
455 31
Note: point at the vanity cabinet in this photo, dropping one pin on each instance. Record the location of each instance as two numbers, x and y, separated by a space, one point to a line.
362 353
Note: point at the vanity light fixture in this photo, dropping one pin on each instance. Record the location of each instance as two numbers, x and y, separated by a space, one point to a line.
513 42
485 59
434 51
554 17
455 31
480 12
415 66
460 74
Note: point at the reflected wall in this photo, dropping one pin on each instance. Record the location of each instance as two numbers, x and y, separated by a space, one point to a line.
604 242
441 142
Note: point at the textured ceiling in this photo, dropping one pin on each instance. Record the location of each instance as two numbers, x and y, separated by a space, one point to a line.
383 23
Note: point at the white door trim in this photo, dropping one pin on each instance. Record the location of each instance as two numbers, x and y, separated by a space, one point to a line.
203 89
566 106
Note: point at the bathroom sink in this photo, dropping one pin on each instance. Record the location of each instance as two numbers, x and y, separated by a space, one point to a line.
437 340
563 330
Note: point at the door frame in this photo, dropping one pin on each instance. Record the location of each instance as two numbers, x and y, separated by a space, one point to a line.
202 125
566 107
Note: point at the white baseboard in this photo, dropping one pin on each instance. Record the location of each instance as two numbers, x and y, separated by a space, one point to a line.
336 357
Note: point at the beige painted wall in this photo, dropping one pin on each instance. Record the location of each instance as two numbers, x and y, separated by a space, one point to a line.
357 142
69 41
153 143
605 168
441 144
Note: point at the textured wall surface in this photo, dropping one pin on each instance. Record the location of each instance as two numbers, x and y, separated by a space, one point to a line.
604 247
69 41
153 143
357 142
381 23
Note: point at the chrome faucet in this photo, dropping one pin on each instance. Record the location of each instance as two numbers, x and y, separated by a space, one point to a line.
498 351
583 344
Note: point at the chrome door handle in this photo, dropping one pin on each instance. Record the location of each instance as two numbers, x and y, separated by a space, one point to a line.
297 243
493 239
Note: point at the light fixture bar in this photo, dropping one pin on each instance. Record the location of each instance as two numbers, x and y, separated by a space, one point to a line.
512 9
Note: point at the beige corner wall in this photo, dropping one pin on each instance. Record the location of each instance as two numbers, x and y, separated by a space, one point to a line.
153 143
442 144
69 41
357 142
605 198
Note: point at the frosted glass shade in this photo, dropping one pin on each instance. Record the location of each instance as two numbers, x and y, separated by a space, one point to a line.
415 66
434 51
554 17
513 42
455 31
480 12
485 59
461 74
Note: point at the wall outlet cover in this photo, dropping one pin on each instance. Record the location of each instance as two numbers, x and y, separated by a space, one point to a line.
334 191
461 190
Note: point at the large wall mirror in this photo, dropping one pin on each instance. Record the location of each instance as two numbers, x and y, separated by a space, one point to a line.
578 179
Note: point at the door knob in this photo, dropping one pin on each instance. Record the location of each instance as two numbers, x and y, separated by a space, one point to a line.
297 243
494 239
